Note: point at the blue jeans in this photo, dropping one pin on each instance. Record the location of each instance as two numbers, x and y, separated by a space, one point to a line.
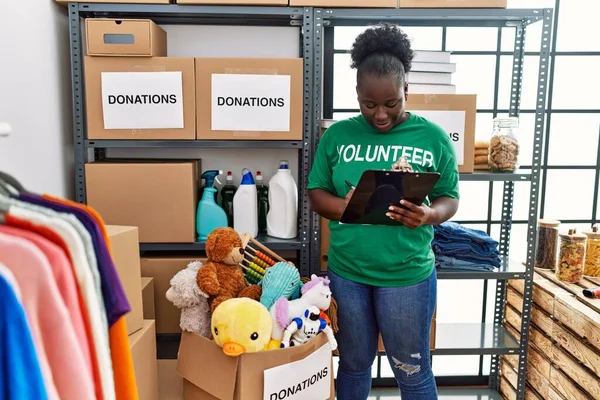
403 316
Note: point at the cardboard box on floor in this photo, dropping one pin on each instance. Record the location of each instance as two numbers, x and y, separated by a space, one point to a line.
148 298
158 196
162 269
170 384
346 3
453 3
249 98
306 369
125 37
143 354
126 256
133 98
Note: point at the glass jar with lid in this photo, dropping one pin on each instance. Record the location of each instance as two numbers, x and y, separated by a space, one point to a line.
571 256
503 153
547 244
592 253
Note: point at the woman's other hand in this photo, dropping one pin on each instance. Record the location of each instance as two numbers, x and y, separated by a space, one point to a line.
348 197
412 216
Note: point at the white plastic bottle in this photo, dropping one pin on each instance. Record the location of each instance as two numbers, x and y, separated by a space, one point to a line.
282 219
245 206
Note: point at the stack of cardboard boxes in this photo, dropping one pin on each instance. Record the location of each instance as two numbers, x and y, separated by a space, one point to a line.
140 322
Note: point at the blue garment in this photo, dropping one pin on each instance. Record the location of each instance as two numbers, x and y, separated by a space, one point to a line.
20 371
465 244
445 262
403 315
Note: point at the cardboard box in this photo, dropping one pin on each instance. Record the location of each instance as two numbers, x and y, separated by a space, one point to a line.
453 3
125 37
143 354
456 114
160 197
170 384
346 3
131 98
126 256
236 2
148 298
228 88
255 376
162 269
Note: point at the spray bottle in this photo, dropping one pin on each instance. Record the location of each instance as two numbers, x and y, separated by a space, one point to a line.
210 215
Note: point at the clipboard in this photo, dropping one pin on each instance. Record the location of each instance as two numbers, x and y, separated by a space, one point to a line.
378 189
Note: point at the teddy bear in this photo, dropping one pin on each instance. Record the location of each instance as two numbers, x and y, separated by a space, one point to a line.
185 294
222 277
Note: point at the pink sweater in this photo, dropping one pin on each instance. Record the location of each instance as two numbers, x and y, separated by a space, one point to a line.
61 358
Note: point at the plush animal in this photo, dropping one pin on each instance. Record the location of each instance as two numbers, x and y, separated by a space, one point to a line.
280 280
302 329
222 277
315 292
185 294
241 325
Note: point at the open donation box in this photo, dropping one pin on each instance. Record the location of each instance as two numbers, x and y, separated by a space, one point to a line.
297 373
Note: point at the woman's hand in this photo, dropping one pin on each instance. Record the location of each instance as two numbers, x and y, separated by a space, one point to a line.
348 197
412 216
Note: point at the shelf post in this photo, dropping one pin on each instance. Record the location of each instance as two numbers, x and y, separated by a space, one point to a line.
315 234
77 98
508 193
540 111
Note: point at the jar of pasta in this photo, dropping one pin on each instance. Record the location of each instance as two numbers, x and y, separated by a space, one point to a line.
503 153
547 244
571 256
592 253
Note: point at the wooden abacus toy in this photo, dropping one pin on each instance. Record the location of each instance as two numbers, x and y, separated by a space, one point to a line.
257 258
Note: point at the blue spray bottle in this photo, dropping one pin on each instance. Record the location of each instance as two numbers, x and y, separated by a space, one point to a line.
210 215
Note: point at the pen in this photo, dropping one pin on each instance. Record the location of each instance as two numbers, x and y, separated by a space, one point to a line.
351 185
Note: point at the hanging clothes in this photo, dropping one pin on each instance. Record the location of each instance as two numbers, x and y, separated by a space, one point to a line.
64 365
20 371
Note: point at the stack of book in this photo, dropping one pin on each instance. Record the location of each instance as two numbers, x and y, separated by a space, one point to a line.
431 73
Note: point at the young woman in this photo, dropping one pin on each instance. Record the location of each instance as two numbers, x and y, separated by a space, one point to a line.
383 277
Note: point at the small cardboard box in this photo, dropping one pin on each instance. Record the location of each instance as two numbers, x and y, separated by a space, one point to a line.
158 196
237 2
148 298
303 372
453 3
456 114
126 256
125 37
346 3
131 98
249 98
162 269
145 365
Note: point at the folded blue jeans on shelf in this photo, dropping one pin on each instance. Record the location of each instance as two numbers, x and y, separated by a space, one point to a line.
452 231
468 253
445 262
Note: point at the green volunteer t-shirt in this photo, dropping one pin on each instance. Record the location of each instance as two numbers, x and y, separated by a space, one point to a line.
382 255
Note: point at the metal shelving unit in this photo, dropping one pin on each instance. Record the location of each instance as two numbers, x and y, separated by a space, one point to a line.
485 338
299 17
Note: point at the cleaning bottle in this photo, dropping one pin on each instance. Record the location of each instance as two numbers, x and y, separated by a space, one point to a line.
282 219
245 206
210 215
262 191
227 194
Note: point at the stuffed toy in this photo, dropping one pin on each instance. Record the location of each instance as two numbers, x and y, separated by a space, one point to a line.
185 294
241 325
280 280
302 329
222 277
315 292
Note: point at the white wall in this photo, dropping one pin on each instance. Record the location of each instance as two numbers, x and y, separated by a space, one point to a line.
35 95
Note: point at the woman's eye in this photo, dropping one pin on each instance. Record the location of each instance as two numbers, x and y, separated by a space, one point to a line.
392 105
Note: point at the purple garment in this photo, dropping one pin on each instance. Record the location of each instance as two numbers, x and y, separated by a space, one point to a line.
115 299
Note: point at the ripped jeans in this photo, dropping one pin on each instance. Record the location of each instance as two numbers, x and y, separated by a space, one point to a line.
403 316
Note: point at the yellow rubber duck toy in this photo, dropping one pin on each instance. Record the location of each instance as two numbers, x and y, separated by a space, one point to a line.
241 325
